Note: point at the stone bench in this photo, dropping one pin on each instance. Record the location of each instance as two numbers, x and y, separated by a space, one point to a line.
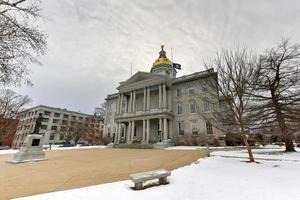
139 178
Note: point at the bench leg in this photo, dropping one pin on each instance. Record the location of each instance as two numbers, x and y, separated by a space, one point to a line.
138 186
163 180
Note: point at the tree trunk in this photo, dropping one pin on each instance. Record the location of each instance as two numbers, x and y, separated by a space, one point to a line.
250 154
287 137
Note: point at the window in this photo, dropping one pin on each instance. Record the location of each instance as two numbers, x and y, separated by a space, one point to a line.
191 91
178 92
134 133
54 128
62 128
193 107
209 129
56 115
73 117
55 121
45 119
64 122
206 107
204 87
180 128
61 136
66 116
52 136
47 113
194 127
44 127
179 109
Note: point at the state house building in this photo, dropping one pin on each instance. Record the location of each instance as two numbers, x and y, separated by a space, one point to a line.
156 106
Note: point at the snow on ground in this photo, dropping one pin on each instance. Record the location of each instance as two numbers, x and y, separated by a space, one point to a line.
215 177
56 147
8 151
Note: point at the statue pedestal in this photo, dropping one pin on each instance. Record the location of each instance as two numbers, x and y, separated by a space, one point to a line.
31 151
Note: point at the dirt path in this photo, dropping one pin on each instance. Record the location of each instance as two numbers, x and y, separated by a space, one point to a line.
78 168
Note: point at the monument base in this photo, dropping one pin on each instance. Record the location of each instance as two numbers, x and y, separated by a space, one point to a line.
31 151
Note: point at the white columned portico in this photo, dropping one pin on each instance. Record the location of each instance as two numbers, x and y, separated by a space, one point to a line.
159 96
148 98
165 128
145 102
164 96
132 130
148 131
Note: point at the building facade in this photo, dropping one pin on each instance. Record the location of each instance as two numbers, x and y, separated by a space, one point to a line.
157 106
8 127
55 120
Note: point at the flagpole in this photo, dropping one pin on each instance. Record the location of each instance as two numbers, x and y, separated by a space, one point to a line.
172 62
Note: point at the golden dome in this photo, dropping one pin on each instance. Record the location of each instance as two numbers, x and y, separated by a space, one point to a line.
162 59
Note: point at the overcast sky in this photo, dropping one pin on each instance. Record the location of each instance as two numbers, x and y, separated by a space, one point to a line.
91 43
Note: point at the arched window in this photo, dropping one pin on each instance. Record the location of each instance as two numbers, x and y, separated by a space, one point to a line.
179 108
193 107
206 106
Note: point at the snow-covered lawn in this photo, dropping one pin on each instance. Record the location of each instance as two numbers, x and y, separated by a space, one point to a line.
56 147
221 176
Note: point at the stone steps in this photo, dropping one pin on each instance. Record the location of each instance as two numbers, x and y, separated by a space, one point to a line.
134 146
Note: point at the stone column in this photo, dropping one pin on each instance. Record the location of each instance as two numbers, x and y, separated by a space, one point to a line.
118 104
120 131
160 128
128 137
121 104
132 130
130 103
159 96
170 129
126 105
148 98
148 131
145 96
165 128
144 131
164 104
133 102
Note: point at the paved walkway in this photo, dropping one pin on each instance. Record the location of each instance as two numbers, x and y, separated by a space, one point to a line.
78 168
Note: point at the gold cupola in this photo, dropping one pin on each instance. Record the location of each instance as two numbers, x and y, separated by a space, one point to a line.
162 59
163 65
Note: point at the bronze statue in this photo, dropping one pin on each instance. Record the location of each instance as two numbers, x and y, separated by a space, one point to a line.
38 124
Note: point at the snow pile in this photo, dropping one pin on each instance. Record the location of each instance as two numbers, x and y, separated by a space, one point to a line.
216 177
56 147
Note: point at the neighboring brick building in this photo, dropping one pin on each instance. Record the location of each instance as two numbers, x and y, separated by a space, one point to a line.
8 127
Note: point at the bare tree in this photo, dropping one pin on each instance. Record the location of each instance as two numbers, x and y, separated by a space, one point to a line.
20 41
74 131
100 111
278 89
11 102
237 72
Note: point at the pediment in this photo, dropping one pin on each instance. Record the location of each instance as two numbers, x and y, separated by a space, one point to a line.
142 78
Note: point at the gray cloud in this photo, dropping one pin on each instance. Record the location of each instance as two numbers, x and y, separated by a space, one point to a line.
92 43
